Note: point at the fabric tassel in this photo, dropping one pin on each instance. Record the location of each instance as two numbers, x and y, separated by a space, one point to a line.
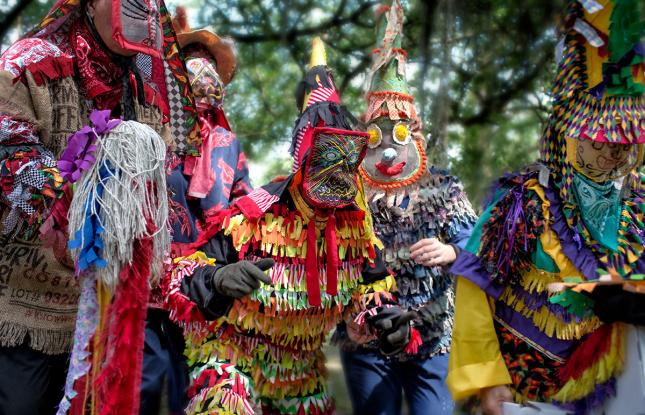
86 323
587 354
113 198
332 256
414 343
311 265
118 215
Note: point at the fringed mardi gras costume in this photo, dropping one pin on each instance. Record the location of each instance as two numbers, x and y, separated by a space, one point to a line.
266 347
412 202
203 186
199 188
573 220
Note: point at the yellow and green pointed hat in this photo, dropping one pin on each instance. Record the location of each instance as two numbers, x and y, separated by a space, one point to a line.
388 93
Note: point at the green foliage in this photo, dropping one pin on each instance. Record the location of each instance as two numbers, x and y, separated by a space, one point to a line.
478 69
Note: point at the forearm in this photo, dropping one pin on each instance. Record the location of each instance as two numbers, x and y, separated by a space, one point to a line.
188 290
199 288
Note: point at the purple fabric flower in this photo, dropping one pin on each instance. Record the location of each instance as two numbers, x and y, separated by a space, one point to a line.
81 146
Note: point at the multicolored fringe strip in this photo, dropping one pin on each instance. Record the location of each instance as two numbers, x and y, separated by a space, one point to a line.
270 341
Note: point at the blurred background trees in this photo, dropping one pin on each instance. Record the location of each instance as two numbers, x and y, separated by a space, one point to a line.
480 71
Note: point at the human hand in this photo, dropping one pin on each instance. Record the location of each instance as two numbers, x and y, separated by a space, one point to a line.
492 399
430 252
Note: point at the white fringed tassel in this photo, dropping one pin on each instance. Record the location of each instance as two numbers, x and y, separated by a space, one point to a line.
135 191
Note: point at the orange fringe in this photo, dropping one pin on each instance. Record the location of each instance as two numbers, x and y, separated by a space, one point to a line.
380 94
395 50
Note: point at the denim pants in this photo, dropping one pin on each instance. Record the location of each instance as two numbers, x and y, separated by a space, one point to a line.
163 363
376 385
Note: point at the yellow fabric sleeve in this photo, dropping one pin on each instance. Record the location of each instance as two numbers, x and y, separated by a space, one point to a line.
475 359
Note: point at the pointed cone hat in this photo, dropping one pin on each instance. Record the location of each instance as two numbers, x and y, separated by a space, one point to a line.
388 94
319 104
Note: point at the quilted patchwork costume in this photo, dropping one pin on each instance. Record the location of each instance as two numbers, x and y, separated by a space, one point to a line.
410 202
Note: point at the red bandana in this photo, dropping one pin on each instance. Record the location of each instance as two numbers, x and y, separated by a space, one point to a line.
100 77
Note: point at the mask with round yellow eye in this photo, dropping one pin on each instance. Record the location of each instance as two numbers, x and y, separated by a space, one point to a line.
401 133
375 136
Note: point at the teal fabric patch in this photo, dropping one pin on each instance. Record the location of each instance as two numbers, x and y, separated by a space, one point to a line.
542 260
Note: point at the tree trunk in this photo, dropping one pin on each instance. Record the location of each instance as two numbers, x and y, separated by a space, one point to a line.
440 115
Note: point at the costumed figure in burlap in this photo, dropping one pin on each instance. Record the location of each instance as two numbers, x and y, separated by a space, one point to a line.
90 99
555 264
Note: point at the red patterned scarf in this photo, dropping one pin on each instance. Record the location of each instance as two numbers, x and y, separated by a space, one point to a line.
100 75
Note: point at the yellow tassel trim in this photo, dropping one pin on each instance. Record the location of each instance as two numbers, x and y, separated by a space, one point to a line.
287 327
609 366
388 284
537 281
198 257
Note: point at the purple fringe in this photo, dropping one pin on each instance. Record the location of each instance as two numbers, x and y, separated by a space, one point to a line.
515 216
594 400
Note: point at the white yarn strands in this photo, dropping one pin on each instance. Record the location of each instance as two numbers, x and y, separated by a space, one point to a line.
134 192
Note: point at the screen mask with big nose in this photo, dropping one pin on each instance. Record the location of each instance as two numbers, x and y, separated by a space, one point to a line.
330 177
136 25
395 157
603 161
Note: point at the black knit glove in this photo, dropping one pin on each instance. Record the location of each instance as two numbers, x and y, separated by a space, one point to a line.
393 326
241 278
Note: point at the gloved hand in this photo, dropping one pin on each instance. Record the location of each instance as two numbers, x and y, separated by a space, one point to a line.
393 325
612 303
241 278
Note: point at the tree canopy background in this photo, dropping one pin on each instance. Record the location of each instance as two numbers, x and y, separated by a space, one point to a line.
480 71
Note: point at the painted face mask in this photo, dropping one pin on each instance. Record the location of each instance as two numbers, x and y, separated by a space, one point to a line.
395 155
331 171
603 161
206 83
136 25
